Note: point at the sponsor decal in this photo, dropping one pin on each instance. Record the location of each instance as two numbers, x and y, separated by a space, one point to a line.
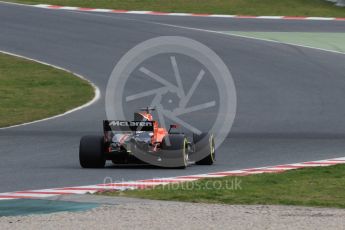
130 123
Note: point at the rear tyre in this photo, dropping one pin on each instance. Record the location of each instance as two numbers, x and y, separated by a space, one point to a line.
204 145
91 152
175 147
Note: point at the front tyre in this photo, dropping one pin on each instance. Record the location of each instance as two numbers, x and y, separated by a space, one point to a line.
91 154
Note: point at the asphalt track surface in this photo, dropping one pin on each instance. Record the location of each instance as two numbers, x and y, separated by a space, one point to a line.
291 105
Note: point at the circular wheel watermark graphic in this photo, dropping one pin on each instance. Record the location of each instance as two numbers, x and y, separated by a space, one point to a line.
181 85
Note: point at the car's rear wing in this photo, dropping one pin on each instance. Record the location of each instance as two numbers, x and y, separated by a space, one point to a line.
125 126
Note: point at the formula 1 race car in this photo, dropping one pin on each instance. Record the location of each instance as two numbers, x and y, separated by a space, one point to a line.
143 141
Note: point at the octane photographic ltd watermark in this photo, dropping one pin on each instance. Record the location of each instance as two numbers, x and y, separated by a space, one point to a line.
232 184
186 83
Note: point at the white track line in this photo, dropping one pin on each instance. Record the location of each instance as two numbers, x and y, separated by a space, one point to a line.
55 7
96 97
217 32
142 184
74 8
163 181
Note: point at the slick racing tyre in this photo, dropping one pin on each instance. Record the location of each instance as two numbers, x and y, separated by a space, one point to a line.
204 148
91 152
175 147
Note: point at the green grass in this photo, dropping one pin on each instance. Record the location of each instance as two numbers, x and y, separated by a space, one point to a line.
242 7
320 186
30 91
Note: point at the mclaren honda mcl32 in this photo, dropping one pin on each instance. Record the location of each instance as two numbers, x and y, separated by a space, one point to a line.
144 141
